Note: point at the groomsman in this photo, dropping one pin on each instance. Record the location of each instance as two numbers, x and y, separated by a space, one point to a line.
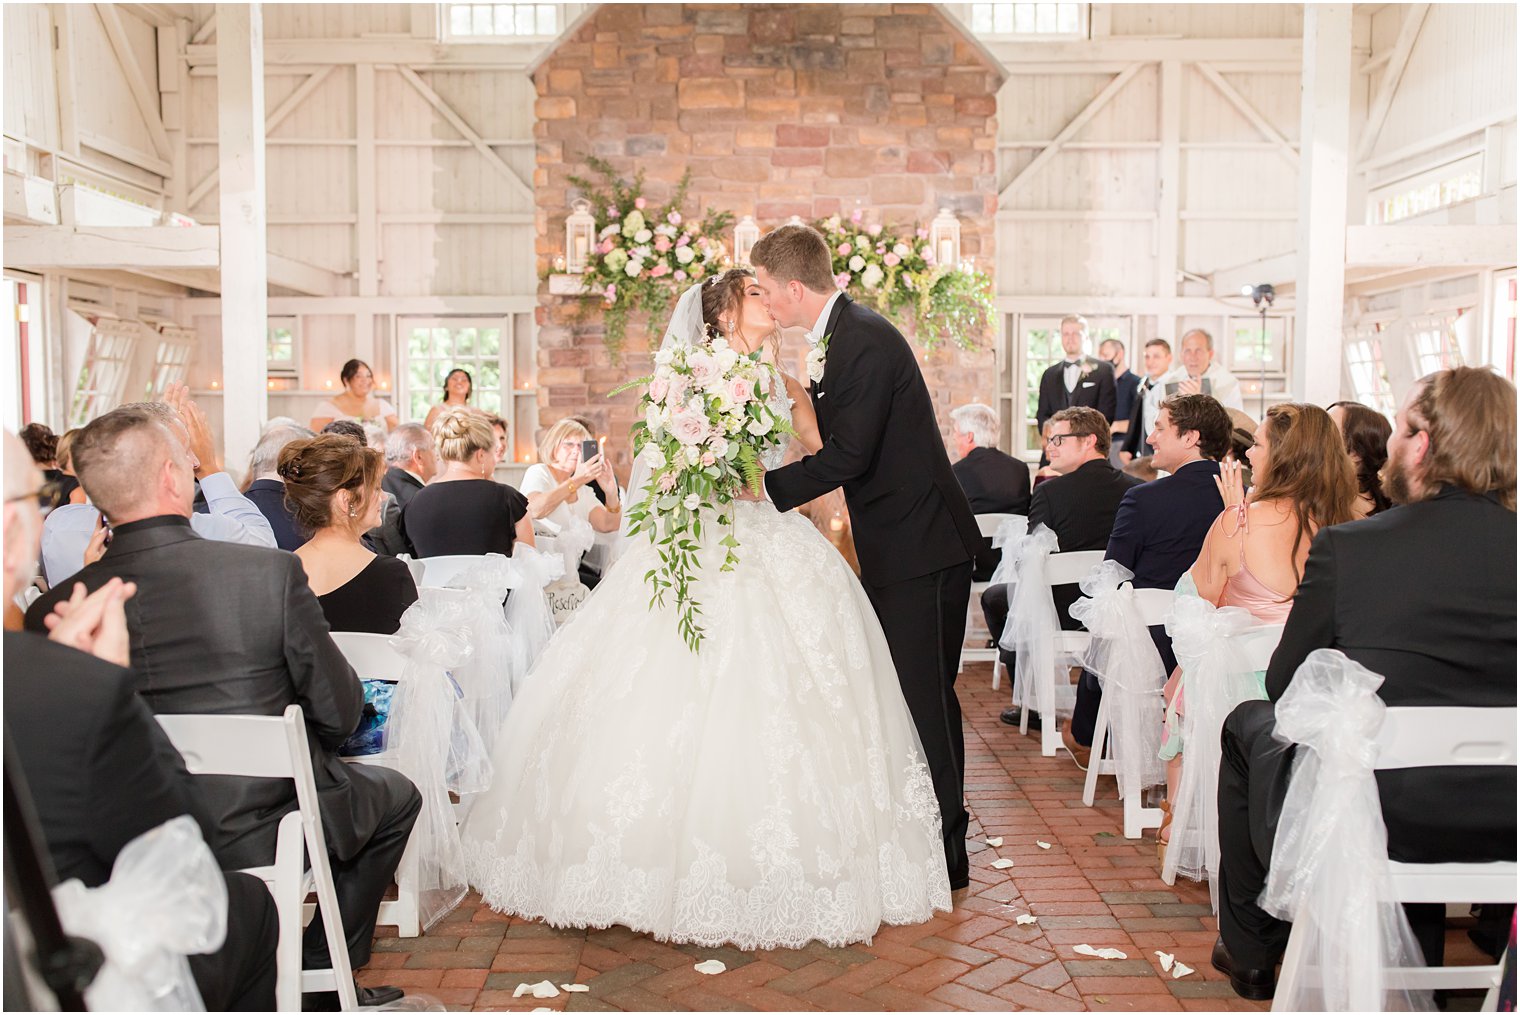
1158 361
1079 379
1126 390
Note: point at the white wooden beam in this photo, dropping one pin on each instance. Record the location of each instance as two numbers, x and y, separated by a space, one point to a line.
1169 180
172 98
475 306
367 227
308 279
1143 49
1067 132
1398 59
1234 98
242 206
204 33
47 247
1425 245
1323 185
143 95
411 52
66 74
467 132
277 117
1180 306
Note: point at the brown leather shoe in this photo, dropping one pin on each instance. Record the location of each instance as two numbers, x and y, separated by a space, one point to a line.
1079 754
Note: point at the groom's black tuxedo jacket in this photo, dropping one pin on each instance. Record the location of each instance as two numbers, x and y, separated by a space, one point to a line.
882 444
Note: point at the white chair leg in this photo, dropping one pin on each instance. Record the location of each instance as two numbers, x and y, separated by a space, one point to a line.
1095 759
997 673
1050 735
1292 963
1138 817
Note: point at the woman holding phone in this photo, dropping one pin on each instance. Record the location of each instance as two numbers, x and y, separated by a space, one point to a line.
568 461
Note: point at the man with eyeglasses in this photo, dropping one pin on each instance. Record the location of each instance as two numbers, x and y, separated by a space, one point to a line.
1078 505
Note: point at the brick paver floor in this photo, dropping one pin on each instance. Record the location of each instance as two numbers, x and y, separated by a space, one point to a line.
1091 886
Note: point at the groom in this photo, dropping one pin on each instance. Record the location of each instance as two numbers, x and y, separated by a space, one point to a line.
915 534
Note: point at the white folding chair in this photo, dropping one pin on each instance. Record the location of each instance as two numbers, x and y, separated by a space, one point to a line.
372 658
414 565
1060 569
1425 738
1152 605
988 524
275 747
439 571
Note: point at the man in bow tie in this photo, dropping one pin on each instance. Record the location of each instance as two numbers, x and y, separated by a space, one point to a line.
1079 379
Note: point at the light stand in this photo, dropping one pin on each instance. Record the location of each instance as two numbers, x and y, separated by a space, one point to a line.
1262 297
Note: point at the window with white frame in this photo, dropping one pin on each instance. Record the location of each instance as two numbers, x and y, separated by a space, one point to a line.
103 374
1435 344
171 360
1011 20
491 22
283 345
436 346
1369 375
1435 188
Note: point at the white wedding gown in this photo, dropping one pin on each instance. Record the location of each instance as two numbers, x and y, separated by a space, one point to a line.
768 792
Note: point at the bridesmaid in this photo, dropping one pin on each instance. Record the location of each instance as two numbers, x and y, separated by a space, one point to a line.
357 402
457 388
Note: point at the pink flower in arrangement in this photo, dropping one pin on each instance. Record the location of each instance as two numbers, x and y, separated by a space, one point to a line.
612 211
740 390
856 215
881 248
639 203
679 276
845 249
658 270
604 246
667 482
842 280
874 229
611 292
891 259
690 428
662 243
683 240
708 459
923 233
674 218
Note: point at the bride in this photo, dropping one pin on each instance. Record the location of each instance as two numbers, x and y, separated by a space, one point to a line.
767 792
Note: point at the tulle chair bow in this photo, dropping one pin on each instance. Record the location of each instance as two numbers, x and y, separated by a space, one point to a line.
499 660
166 899
1009 531
435 743
1216 676
528 610
1032 624
1330 858
1123 656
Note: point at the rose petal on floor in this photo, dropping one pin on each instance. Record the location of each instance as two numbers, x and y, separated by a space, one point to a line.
712 967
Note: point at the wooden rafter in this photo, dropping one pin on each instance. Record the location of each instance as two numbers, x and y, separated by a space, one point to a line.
274 119
1398 59
1250 112
145 97
1070 130
466 131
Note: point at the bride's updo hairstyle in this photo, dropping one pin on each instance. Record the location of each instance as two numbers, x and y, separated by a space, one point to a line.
316 468
723 294
460 432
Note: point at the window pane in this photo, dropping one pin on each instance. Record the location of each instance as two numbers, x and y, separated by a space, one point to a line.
490 341
464 342
525 19
490 401
504 16
482 19
1068 21
459 19
1045 18
490 375
981 18
547 24
1002 18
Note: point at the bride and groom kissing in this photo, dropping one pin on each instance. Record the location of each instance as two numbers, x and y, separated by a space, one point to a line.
801 779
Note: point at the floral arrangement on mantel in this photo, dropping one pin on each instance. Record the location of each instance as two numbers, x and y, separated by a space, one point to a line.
645 256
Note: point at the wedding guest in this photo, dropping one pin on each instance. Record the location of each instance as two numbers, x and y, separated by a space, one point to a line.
374 437
42 445
1079 379
73 530
1078 505
347 428
1142 469
333 485
67 490
1200 375
554 486
994 482
464 510
457 388
1126 390
1158 361
1253 556
1366 431
1424 596
411 462
357 401
499 428
1159 527
267 491
99 770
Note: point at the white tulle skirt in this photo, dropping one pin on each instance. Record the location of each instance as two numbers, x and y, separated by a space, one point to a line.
768 792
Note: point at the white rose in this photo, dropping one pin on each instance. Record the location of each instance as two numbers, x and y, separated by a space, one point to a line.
633 268
664 357
759 427
815 361
684 254
692 502
652 456
718 446
643 236
693 455
717 345
608 231
872 276
643 253
857 262
652 421
926 252
901 250
727 358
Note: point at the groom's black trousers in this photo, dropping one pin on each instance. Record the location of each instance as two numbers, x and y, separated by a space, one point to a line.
925 622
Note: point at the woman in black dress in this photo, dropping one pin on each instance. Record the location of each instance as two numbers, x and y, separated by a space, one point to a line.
464 510
332 485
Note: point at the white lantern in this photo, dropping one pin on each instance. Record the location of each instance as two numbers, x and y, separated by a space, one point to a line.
945 238
746 233
580 237
795 220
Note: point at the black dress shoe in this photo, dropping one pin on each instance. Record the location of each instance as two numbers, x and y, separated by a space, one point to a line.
1251 984
1010 717
956 884
369 997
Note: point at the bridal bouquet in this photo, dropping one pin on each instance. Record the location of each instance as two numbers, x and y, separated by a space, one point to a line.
707 420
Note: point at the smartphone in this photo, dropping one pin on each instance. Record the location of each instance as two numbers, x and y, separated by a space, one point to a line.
589 450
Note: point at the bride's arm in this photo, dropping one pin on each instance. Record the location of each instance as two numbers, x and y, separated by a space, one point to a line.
804 419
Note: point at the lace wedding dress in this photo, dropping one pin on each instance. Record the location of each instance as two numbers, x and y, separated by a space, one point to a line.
768 792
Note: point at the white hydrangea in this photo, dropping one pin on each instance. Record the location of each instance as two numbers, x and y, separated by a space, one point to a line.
633 268
857 263
872 276
643 236
685 254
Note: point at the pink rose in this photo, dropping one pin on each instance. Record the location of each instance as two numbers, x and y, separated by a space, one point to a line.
708 459
740 390
667 482
881 248
639 203
660 269
842 280
612 211
684 239
891 259
611 293
845 249
674 218
604 246
679 276
658 389
856 215
662 243
688 427
923 233
704 369
874 229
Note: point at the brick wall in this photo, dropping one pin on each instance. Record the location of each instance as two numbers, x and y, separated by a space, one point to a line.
778 110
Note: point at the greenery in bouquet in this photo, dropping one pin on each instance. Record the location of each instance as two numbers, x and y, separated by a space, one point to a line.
707 420
644 254
897 274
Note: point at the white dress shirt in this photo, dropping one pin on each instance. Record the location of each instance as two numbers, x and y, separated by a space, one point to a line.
233 519
1071 371
815 334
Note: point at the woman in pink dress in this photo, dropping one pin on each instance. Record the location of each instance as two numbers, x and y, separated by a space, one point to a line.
1253 556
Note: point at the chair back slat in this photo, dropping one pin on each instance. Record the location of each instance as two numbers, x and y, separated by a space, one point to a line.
437 572
990 522
370 655
1446 735
1070 568
247 745
1152 605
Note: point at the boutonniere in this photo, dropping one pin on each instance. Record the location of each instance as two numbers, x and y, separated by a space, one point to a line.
817 358
1087 369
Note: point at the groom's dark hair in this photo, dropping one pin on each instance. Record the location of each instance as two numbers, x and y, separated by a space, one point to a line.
796 253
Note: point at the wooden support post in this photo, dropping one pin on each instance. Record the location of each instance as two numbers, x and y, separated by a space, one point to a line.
1323 183
245 263
1169 214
